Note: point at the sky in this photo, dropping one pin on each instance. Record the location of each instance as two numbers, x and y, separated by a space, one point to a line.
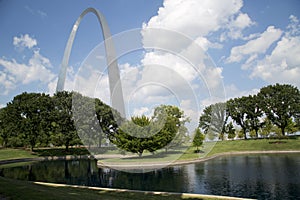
188 53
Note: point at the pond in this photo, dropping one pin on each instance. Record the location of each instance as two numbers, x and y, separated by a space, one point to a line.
272 176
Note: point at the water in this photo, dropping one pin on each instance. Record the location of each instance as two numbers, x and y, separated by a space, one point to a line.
252 176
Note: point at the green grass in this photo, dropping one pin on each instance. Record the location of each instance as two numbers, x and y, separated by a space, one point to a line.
255 145
20 190
6 154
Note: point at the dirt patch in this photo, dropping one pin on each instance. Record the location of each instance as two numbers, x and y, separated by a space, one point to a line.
277 142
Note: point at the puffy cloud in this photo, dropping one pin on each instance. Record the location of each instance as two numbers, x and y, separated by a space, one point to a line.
13 73
236 27
24 41
194 17
242 21
283 63
256 46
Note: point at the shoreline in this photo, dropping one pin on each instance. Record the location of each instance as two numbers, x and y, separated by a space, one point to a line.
145 164
155 165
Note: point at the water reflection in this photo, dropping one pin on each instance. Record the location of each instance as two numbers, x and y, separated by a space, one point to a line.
253 176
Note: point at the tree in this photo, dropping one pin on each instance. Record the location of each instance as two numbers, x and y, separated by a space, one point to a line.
291 127
143 133
230 130
254 113
30 112
267 128
213 119
237 109
280 103
198 139
4 133
135 136
86 120
65 132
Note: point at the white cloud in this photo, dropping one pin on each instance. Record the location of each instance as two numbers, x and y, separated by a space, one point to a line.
236 27
282 65
24 41
14 73
141 111
256 46
242 21
194 17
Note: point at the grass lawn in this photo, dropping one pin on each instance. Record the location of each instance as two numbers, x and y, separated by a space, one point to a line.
255 145
6 154
171 155
212 148
19 190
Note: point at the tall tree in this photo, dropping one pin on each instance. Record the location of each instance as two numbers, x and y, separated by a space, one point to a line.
30 112
280 103
237 109
65 132
254 112
214 119
4 125
85 116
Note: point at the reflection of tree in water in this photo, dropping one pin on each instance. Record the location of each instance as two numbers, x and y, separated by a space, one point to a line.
168 179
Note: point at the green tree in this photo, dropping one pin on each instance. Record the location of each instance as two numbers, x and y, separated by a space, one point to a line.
4 124
198 139
237 109
86 121
254 113
213 119
267 128
280 103
64 130
135 136
30 112
143 133
230 130
291 126
109 120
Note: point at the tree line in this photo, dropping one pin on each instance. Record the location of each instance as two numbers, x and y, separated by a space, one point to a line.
69 118
40 120
274 109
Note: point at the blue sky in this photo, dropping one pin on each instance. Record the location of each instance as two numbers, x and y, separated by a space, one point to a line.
252 43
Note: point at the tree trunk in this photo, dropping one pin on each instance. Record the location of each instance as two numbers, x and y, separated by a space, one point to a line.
282 131
67 146
245 134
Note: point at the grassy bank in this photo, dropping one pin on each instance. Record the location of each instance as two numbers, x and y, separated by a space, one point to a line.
19 190
162 156
255 145
7 154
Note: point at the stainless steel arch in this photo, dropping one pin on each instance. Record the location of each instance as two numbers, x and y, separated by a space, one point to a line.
115 86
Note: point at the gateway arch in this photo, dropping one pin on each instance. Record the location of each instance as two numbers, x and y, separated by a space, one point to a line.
115 87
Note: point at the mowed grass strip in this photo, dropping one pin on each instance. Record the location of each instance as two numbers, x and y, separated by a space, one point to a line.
255 145
20 190
7 154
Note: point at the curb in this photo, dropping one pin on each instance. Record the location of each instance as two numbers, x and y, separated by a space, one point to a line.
183 195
